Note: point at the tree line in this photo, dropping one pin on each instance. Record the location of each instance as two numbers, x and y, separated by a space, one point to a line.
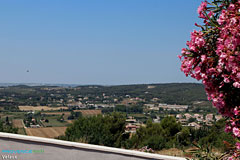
109 130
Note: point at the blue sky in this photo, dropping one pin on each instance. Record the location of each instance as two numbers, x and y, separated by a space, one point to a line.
105 42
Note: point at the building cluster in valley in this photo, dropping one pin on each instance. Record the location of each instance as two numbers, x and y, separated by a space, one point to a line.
195 121
60 106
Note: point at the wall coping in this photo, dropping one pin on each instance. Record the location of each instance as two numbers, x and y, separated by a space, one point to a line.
87 146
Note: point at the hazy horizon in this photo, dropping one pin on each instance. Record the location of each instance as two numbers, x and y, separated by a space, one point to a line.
74 85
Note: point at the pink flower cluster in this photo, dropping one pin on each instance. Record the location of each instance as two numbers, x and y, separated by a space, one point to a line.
201 9
233 124
234 127
213 56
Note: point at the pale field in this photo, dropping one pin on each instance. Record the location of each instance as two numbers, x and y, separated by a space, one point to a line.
84 112
57 113
48 132
66 114
172 152
70 121
17 123
40 108
89 112
180 153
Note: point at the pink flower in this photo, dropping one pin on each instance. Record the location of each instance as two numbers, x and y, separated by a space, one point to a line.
233 21
236 131
185 51
238 75
210 14
226 80
236 111
222 17
180 57
231 7
202 8
236 84
203 58
228 129
238 145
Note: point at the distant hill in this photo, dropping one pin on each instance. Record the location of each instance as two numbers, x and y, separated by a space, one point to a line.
171 93
37 84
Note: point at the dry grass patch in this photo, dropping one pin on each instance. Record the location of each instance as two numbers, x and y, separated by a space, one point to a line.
70 121
40 108
48 132
57 113
17 123
89 112
172 152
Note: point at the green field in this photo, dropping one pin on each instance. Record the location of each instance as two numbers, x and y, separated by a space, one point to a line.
53 122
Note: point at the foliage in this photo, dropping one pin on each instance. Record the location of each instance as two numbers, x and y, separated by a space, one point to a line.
210 139
203 153
6 127
206 152
105 130
109 130
61 118
126 109
156 135
215 136
74 115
